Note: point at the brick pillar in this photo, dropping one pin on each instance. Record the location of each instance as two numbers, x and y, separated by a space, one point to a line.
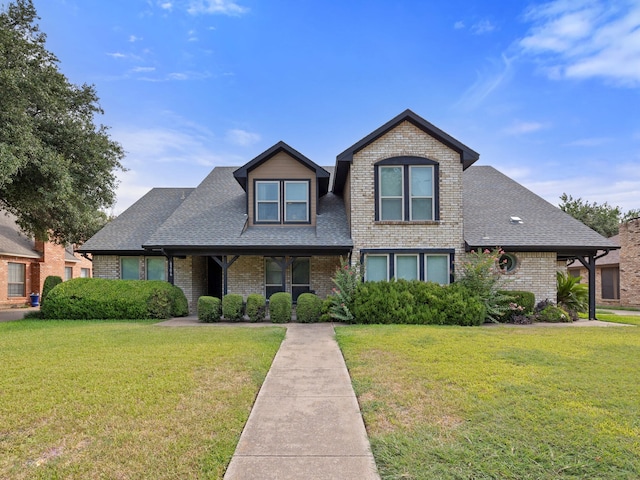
630 263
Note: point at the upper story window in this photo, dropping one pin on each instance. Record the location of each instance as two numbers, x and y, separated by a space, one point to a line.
407 189
277 199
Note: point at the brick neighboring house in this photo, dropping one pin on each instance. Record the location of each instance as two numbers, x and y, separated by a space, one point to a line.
404 201
25 263
617 279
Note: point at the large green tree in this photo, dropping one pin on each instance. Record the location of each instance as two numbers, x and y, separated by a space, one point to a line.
57 167
603 218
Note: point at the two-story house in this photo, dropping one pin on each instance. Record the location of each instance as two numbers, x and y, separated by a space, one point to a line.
405 202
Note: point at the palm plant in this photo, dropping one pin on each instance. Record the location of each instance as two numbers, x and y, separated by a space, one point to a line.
572 295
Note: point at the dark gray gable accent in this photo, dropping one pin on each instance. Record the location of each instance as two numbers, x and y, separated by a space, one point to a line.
242 173
467 156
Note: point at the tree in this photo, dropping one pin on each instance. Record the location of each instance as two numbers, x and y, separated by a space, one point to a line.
57 167
603 218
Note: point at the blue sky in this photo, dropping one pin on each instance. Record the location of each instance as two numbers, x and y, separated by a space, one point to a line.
546 92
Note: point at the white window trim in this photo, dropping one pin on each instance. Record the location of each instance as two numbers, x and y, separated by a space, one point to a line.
426 265
395 265
306 202
23 282
381 197
386 255
258 201
412 196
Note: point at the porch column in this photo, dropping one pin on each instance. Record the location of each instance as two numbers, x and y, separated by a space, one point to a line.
590 264
170 274
225 264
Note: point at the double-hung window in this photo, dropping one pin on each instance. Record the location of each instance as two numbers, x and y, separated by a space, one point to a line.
407 189
273 281
267 201
296 201
16 282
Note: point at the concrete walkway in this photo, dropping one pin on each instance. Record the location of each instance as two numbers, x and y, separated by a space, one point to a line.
306 421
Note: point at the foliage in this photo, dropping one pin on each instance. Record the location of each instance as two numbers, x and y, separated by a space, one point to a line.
572 295
57 167
309 308
520 304
553 314
603 218
86 399
325 312
416 302
49 282
233 307
256 307
97 298
280 307
498 403
346 280
480 274
209 309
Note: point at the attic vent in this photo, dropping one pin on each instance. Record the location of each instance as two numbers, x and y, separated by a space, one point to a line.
516 220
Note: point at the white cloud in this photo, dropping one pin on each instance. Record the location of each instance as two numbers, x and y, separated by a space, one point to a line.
520 128
242 137
459 25
486 82
117 55
589 142
133 38
143 69
482 27
166 6
216 7
586 39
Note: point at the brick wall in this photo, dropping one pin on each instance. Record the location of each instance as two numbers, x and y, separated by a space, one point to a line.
405 140
31 266
535 272
630 263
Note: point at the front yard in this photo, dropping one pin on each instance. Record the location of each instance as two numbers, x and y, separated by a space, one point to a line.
498 403
126 400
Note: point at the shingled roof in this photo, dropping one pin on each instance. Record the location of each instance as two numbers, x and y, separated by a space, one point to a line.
12 241
493 203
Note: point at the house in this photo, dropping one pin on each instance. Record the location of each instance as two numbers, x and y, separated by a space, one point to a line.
617 278
25 263
405 201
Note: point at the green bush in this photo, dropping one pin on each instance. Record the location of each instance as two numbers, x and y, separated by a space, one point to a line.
571 294
97 298
209 309
325 312
309 308
280 307
256 307
49 282
416 302
519 302
232 307
554 314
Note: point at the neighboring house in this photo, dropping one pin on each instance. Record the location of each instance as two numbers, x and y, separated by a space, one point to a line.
25 263
405 201
617 279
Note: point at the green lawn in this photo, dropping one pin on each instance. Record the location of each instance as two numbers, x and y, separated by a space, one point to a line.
126 400
498 403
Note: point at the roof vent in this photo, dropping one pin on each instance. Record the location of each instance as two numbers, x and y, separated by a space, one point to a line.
516 220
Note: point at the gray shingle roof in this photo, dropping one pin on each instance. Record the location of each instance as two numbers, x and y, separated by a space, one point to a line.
491 198
12 241
128 231
214 217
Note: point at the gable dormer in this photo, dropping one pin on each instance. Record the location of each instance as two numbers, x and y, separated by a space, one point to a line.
282 187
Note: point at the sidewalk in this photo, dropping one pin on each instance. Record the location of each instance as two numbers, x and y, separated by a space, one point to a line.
306 421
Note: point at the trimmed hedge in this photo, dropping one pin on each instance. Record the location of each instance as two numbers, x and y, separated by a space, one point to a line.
416 302
256 307
209 309
280 307
309 308
49 282
98 298
522 298
232 307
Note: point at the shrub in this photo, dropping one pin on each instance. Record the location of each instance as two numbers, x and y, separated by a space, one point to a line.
232 307
553 313
280 307
325 312
209 309
347 279
519 303
97 298
572 295
49 282
256 307
309 308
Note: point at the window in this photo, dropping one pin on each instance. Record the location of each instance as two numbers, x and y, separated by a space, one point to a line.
428 265
85 273
610 288
376 268
273 277
296 201
437 269
508 262
156 268
68 273
407 189
267 201
129 268
407 267
16 280
300 277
